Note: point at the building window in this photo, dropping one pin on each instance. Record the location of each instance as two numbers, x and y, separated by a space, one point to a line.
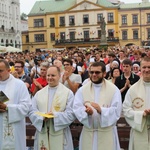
110 17
86 35
71 20
148 33
52 22
62 35
99 33
27 38
148 18
124 35
2 41
15 43
52 36
62 21
38 23
72 35
7 42
124 20
111 33
39 37
85 19
135 19
99 17
135 34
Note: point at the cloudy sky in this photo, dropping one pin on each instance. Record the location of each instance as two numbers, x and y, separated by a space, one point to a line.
26 5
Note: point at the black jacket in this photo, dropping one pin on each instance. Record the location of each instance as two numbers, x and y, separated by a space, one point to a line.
121 80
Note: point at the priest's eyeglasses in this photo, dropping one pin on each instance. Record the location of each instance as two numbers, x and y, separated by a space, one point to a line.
96 72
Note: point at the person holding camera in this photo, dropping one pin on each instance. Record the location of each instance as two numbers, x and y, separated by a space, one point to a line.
35 71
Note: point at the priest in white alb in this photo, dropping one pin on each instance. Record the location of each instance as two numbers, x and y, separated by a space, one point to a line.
57 100
136 109
98 105
13 111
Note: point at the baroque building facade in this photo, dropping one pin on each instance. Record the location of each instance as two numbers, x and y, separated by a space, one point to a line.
76 23
134 23
10 33
70 23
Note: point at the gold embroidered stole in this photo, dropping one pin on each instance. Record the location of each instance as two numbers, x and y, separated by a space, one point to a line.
138 97
105 135
48 137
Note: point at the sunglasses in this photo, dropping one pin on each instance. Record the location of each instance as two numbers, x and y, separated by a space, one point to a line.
96 72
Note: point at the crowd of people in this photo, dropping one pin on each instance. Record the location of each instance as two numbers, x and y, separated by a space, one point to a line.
95 86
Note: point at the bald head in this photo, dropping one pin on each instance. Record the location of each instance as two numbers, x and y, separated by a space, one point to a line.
58 63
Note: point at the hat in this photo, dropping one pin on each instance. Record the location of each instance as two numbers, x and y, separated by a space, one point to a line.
136 63
115 62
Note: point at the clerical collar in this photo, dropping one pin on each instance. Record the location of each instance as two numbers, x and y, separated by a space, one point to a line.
55 87
97 85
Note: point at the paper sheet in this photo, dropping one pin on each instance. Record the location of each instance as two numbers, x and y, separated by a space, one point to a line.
45 115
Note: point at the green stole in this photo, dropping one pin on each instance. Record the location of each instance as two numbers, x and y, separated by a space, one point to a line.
105 135
140 132
48 137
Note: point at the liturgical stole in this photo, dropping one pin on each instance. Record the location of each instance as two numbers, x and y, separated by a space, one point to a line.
105 135
48 137
140 133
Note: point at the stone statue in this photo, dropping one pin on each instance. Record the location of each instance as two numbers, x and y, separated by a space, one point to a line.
103 25
103 32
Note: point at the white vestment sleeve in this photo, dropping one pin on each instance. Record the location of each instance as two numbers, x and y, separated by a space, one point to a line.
110 115
134 118
20 108
79 109
64 119
37 120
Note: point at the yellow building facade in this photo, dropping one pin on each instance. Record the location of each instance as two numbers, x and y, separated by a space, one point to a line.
134 21
70 23
59 24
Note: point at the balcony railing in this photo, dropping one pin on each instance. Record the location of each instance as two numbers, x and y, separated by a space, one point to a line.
111 21
112 39
85 40
52 25
62 25
71 24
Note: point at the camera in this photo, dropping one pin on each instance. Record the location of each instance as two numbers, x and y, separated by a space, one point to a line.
36 59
